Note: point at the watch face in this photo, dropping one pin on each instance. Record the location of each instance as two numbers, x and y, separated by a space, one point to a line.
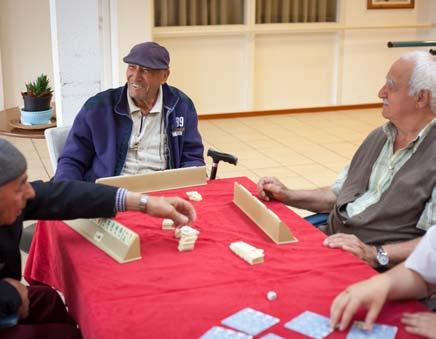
382 259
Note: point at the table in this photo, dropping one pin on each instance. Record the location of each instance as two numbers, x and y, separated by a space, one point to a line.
169 294
6 129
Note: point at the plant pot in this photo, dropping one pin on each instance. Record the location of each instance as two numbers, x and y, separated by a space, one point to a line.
36 117
32 104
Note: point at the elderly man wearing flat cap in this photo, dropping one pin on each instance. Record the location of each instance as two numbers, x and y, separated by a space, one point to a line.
38 309
141 127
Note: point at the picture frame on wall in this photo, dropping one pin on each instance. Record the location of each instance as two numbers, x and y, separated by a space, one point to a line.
390 4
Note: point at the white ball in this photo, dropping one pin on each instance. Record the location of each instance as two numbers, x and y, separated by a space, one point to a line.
271 295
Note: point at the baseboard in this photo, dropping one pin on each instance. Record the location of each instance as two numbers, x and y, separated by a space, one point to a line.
288 111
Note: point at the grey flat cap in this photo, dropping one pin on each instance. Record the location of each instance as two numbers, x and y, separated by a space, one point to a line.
149 55
12 162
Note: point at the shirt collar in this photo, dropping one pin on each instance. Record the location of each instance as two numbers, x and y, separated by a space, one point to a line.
391 132
157 108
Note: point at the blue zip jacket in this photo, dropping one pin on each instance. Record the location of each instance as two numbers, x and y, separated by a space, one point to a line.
98 142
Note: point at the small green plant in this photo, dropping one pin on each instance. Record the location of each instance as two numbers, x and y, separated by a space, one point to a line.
39 88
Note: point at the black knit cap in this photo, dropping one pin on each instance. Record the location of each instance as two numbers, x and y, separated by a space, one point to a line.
12 162
149 55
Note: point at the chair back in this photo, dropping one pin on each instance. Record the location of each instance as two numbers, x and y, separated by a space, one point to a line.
56 138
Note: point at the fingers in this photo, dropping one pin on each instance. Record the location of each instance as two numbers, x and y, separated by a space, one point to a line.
371 316
353 250
421 323
340 237
261 187
337 308
350 309
417 330
341 240
183 212
343 309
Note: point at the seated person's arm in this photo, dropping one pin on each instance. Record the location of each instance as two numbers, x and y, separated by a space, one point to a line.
316 200
398 283
78 151
78 199
397 252
193 149
416 278
69 200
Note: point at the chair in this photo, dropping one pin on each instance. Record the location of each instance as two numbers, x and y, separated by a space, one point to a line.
55 138
318 219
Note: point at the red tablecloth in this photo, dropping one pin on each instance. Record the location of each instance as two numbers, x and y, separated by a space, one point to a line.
168 294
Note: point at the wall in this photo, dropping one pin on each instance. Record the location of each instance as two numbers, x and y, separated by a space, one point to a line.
294 65
133 26
238 68
365 57
25 45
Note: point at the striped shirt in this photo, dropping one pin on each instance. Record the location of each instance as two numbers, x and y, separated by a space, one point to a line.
147 144
120 200
384 169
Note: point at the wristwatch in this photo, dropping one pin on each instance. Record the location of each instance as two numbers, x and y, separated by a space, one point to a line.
382 256
143 200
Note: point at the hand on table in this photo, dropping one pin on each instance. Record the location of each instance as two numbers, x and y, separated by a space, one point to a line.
174 208
352 244
371 294
271 188
23 310
420 323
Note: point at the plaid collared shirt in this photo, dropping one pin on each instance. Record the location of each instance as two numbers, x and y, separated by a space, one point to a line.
384 169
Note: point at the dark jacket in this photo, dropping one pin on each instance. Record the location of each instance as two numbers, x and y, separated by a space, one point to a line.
53 201
98 142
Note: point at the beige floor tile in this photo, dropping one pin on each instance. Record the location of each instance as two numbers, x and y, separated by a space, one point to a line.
286 157
297 182
47 165
237 150
336 166
226 167
248 137
323 137
255 122
235 173
344 149
320 154
265 144
317 174
277 172
248 154
260 161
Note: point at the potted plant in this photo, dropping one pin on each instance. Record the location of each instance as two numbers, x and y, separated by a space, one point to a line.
37 99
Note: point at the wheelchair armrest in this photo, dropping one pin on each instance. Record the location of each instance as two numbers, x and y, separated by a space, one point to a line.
318 219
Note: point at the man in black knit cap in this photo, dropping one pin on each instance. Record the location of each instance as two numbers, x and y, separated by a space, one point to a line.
38 310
